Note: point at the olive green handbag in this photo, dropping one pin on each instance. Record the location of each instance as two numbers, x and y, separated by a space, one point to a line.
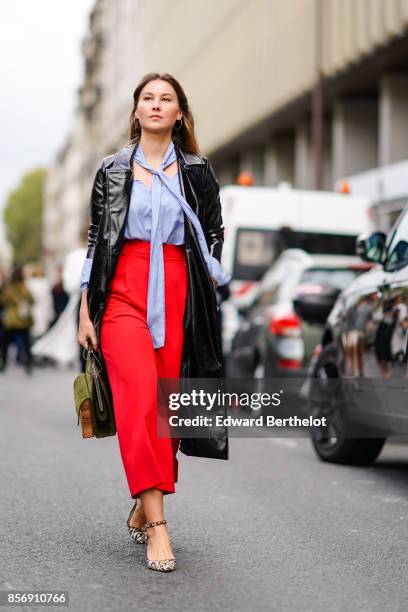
93 399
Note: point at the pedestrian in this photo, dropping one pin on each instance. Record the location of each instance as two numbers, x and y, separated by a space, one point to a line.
2 330
60 297
383 337
148 292
17 302
42 311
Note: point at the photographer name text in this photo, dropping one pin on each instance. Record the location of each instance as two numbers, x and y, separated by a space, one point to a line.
260 421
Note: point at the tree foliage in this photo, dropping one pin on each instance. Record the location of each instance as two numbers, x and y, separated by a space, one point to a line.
23 217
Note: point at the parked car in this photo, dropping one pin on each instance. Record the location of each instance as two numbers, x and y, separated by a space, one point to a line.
261 222
273 341
358 374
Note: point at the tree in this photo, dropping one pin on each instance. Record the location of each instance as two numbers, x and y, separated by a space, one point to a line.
23 217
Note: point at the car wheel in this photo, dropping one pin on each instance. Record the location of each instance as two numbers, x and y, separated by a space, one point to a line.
330 442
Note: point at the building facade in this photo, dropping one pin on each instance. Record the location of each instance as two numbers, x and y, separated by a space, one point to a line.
312 92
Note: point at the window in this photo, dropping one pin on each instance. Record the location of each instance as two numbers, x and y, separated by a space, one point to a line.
339 278
257 249
397 246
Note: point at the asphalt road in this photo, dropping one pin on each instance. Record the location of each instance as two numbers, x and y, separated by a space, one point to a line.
273 528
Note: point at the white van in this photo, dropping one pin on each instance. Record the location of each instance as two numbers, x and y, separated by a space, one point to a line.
260 222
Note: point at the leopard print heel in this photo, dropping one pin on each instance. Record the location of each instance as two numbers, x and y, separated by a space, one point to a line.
160 565
137 534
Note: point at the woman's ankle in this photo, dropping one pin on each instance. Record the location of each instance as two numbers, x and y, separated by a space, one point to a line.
138 518
158 532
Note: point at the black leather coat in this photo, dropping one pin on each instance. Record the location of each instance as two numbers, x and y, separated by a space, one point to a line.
110 199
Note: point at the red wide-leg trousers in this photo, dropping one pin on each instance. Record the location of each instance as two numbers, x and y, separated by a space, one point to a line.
134 366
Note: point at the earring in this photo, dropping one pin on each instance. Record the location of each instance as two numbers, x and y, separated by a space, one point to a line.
176 129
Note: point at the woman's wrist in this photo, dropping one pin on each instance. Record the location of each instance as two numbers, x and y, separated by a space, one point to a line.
83 309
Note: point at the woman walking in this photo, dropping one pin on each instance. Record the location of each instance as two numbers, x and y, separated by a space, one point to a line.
148 292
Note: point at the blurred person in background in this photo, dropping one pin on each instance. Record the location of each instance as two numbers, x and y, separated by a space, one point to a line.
43 310
17 302
3 279
60 297
58 346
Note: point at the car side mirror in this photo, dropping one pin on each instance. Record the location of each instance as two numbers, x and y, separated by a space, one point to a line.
371 247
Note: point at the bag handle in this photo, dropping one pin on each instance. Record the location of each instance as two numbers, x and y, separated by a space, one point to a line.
96 368
91 351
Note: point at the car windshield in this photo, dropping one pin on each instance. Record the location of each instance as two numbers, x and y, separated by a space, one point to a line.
397 246
339 277
282 281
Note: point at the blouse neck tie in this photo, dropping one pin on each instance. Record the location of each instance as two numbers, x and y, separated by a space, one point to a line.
155 300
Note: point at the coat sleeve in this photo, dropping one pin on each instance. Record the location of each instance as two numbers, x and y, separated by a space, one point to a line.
97 203
213 224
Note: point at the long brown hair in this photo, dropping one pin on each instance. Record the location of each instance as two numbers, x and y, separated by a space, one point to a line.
184 137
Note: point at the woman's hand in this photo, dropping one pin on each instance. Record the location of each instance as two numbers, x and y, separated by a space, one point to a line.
86 328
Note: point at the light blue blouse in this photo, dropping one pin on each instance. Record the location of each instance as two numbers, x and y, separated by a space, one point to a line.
139 222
